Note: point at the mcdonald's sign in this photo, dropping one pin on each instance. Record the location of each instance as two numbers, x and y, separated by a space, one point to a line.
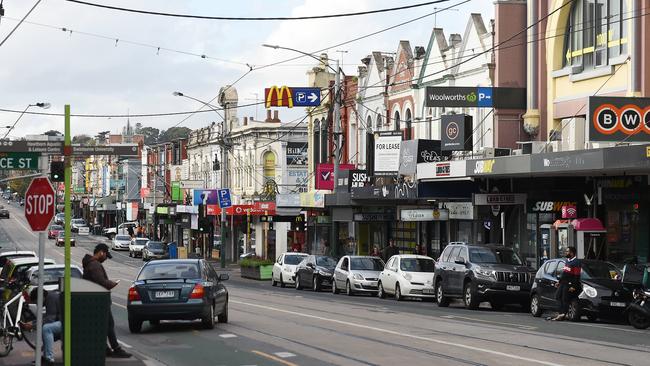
278 96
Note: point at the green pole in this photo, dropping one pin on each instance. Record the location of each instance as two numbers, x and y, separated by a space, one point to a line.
67 299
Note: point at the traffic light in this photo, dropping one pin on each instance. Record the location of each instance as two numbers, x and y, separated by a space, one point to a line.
57 171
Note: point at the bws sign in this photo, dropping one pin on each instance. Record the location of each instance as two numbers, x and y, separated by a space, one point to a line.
618 119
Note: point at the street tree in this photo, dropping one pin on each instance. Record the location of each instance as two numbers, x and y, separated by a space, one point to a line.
174 133
151 135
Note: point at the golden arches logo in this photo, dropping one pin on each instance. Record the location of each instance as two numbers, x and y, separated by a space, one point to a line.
275 96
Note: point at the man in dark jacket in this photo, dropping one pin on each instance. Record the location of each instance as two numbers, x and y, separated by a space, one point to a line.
569 282
94 272
390 250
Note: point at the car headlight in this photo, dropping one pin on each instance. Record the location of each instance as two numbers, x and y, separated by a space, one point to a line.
485 272
323 273
407 276
358 276
288 269
589 291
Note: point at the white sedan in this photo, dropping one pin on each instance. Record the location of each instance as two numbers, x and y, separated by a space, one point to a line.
136 246
121 242
284 268
407 275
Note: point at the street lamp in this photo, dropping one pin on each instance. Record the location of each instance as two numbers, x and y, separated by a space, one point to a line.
40 105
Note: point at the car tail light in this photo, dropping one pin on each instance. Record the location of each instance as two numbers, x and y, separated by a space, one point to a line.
197 292
133 294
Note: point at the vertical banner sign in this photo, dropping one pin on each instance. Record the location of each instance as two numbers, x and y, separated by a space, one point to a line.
456 132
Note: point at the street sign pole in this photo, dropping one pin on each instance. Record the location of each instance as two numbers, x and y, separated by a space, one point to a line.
334 235
67 298
41 268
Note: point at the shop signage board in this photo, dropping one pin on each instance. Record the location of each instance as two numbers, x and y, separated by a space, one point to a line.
442 170
568 161
403 190
256 209
460 210
387 153
545 206
358 178
413 152
177 195
187 209
296 153
288 200
456 132
493 199
18 161
211 197
520 164
314 199
424 214
475 97
284 96
619 119
325 175
374 217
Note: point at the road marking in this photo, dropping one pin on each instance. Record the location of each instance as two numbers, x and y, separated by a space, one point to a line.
284 354
228 335
400 334
119 305
25 227
610 328
522 326
271 357
124 344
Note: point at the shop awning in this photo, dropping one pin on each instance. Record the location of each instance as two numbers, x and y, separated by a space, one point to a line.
287 211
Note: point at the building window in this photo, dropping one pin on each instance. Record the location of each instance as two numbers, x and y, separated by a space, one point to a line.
596 33
397 121
369 123
379 122
408 119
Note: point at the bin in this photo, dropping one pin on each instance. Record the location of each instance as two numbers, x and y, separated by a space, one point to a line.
172 248
89 322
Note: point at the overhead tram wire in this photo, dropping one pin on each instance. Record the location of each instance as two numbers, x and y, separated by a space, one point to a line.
19 23
206 17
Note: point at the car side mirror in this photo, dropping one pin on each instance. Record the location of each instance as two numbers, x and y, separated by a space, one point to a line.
460 261
310 265
224 277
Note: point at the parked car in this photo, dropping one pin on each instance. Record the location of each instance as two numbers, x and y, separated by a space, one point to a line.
407 275
121 242
75 224
603 294
136 246
60 240
316 270
357 274
177 289
14 270
477 273
155 250
53 231
59 218
51 275
285 267
4 213
7 255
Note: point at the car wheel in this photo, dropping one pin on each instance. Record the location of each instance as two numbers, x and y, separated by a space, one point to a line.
638 320
592 317
298 285
273 281
315 284
335 290
442 300
380 291
535 308
398 292
223 317
135 325
130 254
281 281
470 297
573 313
348 289
208 320
154 323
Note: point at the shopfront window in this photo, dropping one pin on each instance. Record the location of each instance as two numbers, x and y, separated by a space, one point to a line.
405 235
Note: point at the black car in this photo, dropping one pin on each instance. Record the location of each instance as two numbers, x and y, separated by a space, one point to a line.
4 213
477 273
177 289
154 250
316 270
603 294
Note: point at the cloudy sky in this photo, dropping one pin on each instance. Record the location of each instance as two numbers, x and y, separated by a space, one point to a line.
98 75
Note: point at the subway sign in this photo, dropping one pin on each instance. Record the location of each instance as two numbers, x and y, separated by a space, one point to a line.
476 97
619 119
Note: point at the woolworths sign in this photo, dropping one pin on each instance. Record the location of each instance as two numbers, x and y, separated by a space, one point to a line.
478 97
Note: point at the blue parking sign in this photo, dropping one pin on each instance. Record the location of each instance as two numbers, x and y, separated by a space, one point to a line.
224 198
306 97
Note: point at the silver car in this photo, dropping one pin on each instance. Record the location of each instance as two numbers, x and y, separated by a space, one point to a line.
121 242
356 274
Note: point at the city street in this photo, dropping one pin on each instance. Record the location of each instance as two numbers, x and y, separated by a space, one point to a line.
284 326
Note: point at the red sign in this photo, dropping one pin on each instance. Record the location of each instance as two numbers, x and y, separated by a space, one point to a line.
256 209
569 212
39 204
325 175
144 192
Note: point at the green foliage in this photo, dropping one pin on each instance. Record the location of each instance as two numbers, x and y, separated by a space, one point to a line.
84 140
255 262
174 133
151 135
53 133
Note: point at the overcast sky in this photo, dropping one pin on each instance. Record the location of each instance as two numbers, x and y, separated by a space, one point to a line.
101 76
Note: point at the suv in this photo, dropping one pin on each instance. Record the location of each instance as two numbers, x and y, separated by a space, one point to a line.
477 273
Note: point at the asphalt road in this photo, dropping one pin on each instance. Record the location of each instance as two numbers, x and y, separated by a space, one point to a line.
283 326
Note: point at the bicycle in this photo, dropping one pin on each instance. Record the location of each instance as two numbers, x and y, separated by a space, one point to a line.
11 328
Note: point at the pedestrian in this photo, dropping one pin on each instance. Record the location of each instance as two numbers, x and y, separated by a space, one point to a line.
94 271
129 230
569 283
375 251
417 250
52 327
390 250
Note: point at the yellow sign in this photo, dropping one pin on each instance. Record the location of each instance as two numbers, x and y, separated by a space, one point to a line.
275 96
647 151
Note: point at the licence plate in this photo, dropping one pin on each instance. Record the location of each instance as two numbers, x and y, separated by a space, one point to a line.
513 288
428 291
164 294
618 304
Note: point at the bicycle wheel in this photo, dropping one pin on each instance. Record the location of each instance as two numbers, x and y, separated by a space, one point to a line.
29 335
6 342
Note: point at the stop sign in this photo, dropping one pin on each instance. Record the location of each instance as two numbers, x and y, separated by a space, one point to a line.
39 204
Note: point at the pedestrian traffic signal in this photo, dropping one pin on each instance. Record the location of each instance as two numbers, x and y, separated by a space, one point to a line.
57 171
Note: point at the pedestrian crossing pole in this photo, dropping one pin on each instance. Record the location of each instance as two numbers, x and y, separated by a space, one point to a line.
67 298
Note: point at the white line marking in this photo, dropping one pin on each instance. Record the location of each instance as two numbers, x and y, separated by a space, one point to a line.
284 354
124 344
400 334
119 305
228 335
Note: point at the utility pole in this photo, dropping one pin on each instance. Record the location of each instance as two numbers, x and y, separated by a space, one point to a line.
225 130
67 298
337 152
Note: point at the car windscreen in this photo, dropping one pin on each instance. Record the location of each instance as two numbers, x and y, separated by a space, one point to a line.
293 259
165 270
3 260
141 241
56 227
488 255
599 270
52 275
416 265
325 262
155 245
366 264
123 237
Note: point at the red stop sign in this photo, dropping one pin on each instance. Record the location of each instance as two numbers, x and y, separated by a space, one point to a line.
39 204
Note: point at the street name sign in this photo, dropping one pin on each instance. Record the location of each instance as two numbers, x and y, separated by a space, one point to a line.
18 161
39 204
56 148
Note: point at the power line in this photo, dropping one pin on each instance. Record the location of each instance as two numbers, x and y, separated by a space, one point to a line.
19 23
206 17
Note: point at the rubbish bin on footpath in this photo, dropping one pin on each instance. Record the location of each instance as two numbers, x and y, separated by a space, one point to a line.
89 322
173 250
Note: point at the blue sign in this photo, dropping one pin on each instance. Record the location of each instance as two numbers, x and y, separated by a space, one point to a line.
224 198
485 97
207 196
305 97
